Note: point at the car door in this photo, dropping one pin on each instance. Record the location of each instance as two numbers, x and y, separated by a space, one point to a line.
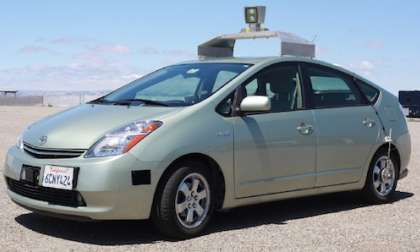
347 126
275 151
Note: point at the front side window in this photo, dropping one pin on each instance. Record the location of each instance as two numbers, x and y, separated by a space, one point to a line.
280 83
178 85
331 89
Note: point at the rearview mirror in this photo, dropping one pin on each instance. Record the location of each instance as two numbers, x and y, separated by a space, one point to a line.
255 104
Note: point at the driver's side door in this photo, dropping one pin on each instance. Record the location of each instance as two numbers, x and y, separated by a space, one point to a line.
273 151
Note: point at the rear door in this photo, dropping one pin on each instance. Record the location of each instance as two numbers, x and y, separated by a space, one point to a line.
347 126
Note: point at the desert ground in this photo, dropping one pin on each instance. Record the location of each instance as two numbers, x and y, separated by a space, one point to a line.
337 222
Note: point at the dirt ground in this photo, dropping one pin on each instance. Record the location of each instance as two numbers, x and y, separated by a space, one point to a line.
337 222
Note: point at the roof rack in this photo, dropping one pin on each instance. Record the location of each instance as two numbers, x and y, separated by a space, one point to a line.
223 45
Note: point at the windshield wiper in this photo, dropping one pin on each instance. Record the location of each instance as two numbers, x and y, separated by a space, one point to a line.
140 101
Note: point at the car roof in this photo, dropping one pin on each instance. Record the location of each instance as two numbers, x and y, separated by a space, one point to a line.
259 60
239 60
277 59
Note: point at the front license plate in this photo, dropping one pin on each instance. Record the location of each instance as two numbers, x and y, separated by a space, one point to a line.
58 177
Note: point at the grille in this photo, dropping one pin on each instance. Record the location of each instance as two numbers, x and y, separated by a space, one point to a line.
43 153
50 195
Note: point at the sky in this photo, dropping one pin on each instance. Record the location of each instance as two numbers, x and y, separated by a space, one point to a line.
101 45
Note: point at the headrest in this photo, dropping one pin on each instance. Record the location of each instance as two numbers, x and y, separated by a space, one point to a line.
281 83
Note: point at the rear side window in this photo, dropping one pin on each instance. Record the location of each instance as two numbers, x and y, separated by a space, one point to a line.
331 88
370 92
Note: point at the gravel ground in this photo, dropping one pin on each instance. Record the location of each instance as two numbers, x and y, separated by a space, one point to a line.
335 222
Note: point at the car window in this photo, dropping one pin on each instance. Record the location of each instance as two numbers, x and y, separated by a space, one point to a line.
370 92
280 83
331 89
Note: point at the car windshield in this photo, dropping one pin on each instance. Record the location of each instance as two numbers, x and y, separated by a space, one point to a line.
177 85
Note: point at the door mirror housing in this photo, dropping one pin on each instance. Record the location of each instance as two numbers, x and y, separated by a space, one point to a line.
255 104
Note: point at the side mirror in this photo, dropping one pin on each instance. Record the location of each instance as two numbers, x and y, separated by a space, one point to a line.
255 104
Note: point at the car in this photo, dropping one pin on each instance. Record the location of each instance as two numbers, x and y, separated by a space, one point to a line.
196 137
213 134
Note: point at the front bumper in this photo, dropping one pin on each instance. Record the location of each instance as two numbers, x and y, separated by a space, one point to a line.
104 183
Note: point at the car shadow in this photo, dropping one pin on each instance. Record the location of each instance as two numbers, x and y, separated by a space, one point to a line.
141 232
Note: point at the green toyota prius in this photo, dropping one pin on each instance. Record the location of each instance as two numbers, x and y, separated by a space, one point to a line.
192 138
217 133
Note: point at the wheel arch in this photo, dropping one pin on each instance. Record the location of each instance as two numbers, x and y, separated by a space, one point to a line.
214 168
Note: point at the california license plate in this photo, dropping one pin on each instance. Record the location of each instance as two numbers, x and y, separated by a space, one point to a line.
58 177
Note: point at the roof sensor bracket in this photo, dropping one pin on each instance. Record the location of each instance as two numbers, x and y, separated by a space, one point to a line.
223 45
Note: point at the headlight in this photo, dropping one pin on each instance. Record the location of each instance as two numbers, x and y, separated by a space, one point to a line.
121 140
19 142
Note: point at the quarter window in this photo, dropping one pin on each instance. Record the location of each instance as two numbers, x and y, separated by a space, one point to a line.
332 89
225 108
251 87
370 92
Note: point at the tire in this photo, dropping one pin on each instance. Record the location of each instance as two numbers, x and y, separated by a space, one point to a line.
176 222
377 177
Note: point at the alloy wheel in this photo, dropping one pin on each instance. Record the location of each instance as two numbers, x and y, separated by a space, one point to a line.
192 201
383 176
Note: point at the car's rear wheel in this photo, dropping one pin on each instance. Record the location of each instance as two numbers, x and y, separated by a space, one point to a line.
382 178
184 204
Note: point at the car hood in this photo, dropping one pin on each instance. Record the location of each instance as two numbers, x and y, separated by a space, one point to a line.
80 127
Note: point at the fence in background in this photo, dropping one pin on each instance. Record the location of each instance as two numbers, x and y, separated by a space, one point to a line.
47 100
21 100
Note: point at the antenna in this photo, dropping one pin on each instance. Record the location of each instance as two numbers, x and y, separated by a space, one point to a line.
388 139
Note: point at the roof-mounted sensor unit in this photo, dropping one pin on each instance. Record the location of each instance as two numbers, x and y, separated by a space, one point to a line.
223 45
254 17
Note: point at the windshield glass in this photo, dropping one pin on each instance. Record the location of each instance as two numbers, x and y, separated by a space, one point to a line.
178 85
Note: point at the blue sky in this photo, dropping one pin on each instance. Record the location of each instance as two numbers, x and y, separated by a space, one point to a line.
96 45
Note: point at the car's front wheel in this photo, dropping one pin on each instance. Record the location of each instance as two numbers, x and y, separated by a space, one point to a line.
184 203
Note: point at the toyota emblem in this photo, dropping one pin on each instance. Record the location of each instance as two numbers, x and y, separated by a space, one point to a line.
43 140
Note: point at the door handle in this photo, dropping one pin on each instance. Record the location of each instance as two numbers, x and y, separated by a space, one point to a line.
305 129
368 122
